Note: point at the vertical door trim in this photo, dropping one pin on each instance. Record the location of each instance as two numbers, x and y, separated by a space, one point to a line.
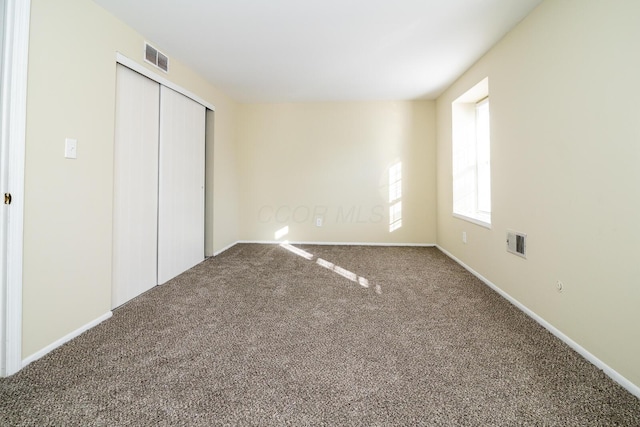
14 116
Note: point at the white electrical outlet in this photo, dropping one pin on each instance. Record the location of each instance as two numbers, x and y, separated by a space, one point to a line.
318 221
464 237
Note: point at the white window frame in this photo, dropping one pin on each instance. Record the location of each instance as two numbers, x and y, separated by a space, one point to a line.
466 158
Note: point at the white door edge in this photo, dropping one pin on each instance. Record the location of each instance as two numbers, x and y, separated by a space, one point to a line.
12 143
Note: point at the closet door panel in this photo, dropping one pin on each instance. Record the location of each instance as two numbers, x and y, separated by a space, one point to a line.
135 208
181 184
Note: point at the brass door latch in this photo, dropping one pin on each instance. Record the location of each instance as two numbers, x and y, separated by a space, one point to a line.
7 198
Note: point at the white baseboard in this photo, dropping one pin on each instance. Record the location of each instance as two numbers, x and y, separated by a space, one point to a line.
291 242
37 355
612 373
225 248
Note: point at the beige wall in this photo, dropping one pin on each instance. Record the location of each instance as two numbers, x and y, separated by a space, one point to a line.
222 199
298 161
564 93
68 203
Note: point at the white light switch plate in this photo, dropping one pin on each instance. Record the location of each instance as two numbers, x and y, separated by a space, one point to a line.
70 148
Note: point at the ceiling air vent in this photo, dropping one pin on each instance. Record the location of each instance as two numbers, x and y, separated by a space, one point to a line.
155 57
517 243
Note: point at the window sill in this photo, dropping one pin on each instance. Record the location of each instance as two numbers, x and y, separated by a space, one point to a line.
481 222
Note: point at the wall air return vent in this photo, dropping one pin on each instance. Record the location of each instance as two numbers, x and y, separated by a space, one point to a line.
155 57
517 243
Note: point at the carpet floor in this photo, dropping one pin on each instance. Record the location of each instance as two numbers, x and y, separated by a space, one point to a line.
317 335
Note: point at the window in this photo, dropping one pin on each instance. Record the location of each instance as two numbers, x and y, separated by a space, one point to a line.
471 155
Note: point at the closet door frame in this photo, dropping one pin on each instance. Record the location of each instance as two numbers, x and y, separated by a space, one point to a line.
162 81
135 66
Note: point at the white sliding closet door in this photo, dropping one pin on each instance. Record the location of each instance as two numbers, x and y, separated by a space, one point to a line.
181 191
135 209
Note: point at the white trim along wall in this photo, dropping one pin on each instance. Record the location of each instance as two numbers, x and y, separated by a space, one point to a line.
37 355
14 111
612 373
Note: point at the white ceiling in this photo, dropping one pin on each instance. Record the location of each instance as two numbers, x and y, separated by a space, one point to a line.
321 50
